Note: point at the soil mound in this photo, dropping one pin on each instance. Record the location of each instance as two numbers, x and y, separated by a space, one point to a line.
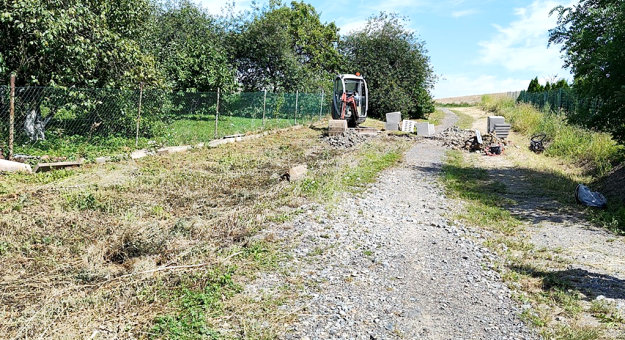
613 185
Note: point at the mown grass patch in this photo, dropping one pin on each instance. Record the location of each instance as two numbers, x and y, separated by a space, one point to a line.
147 240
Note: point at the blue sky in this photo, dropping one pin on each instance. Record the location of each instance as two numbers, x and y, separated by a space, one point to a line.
475 46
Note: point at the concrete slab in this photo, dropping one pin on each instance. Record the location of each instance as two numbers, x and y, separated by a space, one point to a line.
101 160
43 167
336 127
10 166
423 129
173 149
407 126
391 126
393 117
139 154
431 129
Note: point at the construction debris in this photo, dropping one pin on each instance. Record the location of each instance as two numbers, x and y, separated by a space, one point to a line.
457 139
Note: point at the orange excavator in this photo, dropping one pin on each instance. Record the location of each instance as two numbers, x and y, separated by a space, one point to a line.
350 99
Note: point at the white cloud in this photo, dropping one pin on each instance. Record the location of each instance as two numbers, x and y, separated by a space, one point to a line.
347 26
522 45
463 85
459 14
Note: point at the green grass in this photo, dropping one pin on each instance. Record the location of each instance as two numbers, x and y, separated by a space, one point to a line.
436 117
200 297
464 120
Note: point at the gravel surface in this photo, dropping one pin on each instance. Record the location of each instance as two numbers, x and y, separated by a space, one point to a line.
391 266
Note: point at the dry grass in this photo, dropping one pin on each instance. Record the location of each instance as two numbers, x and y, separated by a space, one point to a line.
151 247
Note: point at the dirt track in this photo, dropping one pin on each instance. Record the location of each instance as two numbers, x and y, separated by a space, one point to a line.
392 266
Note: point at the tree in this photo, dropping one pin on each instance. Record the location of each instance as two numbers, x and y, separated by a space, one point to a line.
188 44
285 48
395 64
592 34
75 42
535 86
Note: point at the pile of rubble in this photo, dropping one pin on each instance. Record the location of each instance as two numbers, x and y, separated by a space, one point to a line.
347 139
457 138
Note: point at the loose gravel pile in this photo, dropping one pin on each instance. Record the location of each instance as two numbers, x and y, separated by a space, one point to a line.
389 265
347 139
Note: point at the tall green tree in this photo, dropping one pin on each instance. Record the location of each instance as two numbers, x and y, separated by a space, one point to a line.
287 48
534 86
188 44
86 43
592 34
395 63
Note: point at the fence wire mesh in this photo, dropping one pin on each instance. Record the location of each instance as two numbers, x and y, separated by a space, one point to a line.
78 122
565 100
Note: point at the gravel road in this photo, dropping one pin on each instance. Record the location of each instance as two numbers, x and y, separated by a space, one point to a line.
391 266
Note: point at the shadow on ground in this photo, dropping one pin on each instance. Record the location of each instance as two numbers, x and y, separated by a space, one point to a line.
529 195
587 282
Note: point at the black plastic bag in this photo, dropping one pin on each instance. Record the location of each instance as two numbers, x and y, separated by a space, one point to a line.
589 198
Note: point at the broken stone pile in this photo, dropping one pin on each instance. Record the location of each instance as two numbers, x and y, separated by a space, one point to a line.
457 138
454 137
347 139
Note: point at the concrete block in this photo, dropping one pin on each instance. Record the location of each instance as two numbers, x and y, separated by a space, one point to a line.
431 129
407 126
336 127
492 120
101 160
297 172
215 143
393 117
139 154
393 126
10 166
200 145
423 129
172 149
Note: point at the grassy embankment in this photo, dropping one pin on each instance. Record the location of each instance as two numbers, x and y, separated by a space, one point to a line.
162 247
538 275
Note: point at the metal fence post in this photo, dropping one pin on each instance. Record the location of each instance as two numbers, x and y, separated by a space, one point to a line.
217 112
295 115
11 117
139 114
264 102
321 106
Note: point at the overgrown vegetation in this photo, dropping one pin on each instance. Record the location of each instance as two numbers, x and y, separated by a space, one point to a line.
594 150
160 247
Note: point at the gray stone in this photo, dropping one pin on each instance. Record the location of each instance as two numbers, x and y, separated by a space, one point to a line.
393 117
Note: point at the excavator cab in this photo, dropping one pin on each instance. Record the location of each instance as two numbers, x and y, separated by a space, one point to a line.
350 99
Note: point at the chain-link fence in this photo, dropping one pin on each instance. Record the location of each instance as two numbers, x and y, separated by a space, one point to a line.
565 100
78 122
